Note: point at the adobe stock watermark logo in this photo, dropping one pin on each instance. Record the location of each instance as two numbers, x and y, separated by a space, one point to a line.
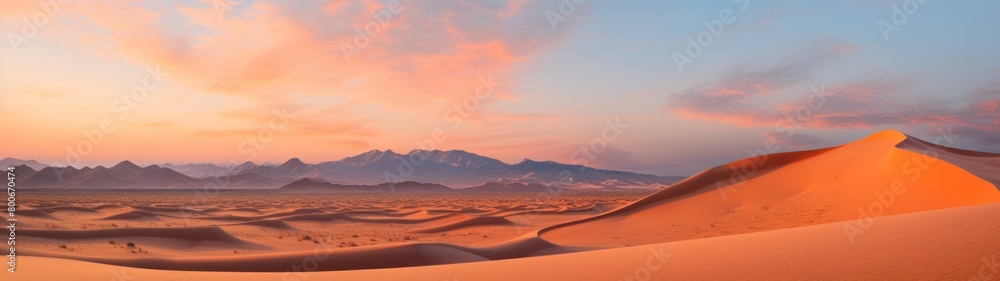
989 270
561 14
250 146
704 39
585 155
254 143
363 35
222 7
300 272
597 146
899 17
31 26
654 262
119 274
122 106
785 129
456 116
914 169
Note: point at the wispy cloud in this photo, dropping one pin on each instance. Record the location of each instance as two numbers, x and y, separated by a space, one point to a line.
741 96
769 96
429 52
798 141
303 120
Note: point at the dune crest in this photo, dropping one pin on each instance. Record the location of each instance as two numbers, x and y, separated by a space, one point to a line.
867 178
465 222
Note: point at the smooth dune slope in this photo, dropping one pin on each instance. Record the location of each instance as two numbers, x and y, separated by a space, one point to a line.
982 164
867 178
189 238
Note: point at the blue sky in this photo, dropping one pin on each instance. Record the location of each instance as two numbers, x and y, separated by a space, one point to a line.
556 88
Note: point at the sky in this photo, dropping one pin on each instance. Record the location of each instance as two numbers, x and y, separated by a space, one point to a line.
659 87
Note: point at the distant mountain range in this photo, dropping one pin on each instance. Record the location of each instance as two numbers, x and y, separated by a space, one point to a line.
455 168
13 162
314 185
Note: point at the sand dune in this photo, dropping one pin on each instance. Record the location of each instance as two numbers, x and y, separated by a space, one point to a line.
269 223
249 210
134 216
191 233
867 178
262 217
106 206
404 255
211 210
955 244
982 164
465 222
175 209
175 238
382 213
345 217
369 257
73 209
528 245
42 213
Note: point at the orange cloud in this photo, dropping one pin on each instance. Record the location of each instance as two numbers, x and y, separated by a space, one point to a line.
256 56
426 54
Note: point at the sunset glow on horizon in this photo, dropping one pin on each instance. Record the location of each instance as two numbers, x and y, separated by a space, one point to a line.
660 89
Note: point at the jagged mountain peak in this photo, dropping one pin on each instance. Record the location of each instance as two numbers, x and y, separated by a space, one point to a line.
370 157
125 165
294 162
458 158
11 161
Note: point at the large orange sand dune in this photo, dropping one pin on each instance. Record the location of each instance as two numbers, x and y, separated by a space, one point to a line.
867 178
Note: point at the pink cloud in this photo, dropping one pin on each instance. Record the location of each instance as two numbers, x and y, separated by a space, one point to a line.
423 60
765 98
427 54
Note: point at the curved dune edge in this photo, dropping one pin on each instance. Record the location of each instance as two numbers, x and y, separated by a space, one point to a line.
134 215
982 164
185 211
175 237
697 183
39 213
73 209
370 257
869 177
463 223
295 212
275 224
345 217
381 213
950 244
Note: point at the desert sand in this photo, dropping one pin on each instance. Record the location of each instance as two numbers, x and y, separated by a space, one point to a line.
954 244
789 190
885 207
